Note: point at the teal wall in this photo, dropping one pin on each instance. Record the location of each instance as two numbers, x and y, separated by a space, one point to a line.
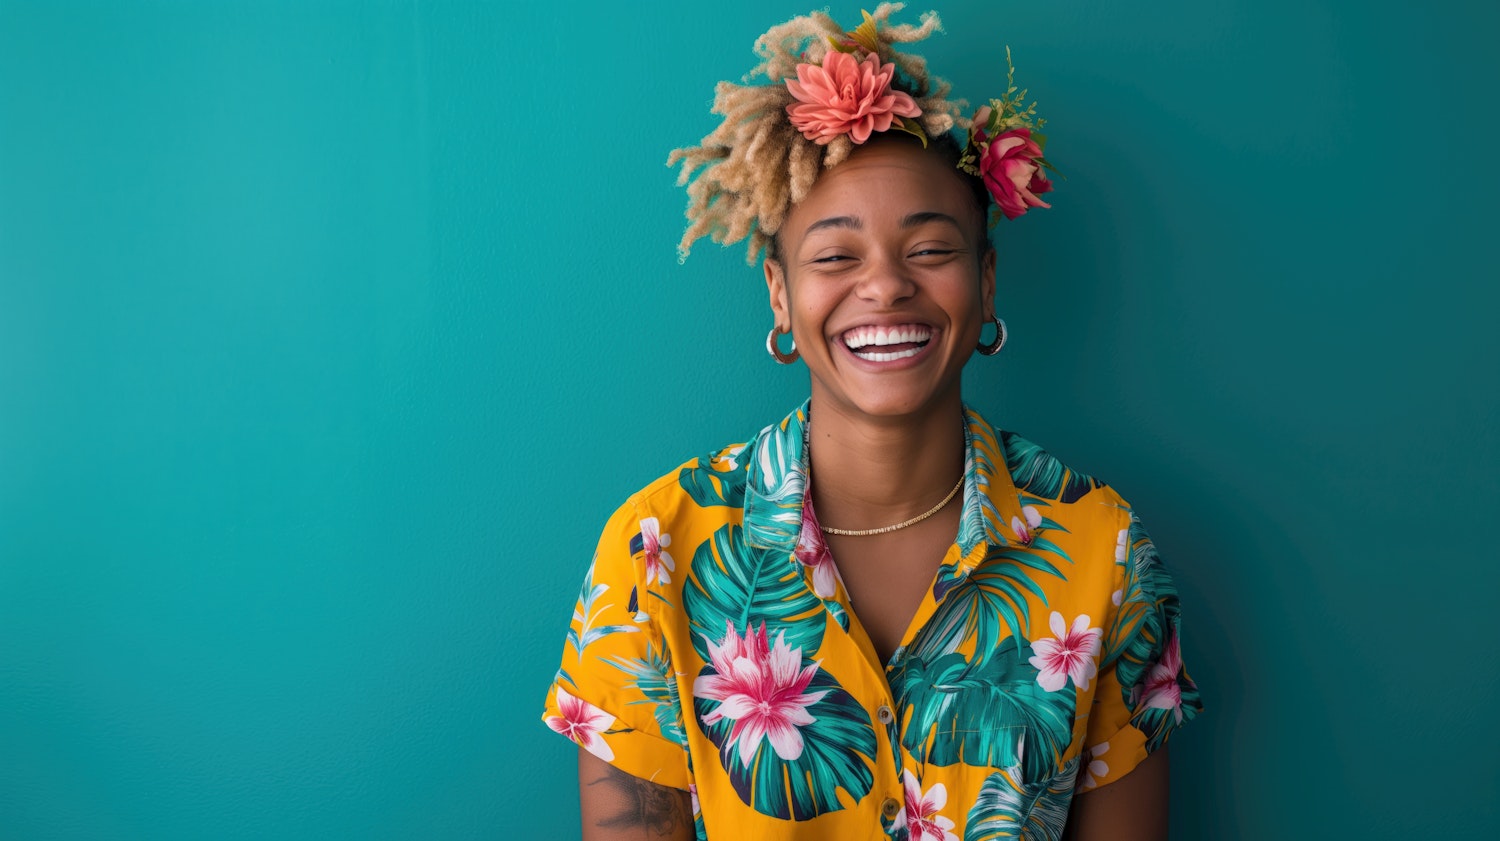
330 333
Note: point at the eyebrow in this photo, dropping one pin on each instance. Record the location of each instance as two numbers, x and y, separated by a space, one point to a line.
923 217
911 220
835 222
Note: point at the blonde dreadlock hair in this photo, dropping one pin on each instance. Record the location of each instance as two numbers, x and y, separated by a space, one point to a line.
756 165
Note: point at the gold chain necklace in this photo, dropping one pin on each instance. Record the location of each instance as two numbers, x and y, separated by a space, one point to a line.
904 523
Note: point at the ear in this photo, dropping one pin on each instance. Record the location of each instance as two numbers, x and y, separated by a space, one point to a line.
781 306
987 284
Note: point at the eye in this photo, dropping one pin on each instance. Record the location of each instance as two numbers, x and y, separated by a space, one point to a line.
934 252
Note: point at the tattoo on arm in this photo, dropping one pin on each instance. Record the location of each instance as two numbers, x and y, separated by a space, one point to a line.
644 804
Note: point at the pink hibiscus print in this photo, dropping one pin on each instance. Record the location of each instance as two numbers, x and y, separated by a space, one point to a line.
921 817
1071 654
812 552
761 688
659 565
584 723
1162 690
846 97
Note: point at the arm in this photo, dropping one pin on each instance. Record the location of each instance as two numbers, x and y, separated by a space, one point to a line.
618 807
1133 808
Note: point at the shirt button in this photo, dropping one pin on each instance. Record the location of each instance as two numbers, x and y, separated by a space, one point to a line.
884 714
890 808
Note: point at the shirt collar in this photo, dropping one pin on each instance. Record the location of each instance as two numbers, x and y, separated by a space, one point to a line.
776 481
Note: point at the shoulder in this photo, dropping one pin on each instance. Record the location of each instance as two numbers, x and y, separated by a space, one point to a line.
1069 497
715 479
1039 474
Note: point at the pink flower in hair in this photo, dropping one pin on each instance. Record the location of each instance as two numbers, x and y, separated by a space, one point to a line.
1011 172
846 97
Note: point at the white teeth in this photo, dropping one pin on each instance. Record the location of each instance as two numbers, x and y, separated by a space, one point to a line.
876 356
862 336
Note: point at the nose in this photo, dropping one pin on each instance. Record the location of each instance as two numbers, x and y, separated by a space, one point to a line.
885 282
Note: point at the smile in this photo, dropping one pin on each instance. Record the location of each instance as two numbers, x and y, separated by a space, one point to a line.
886 344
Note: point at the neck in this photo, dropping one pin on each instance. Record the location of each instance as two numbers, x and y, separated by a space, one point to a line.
868 474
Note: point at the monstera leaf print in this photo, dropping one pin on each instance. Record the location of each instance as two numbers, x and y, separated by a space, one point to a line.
1035 471
1031 812
980 714
742 587
788 735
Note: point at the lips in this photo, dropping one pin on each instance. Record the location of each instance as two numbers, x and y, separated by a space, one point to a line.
887 343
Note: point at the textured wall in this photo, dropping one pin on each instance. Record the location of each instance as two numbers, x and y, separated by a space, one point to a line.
330 333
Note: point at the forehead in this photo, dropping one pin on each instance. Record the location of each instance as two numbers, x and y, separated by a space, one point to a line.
885 181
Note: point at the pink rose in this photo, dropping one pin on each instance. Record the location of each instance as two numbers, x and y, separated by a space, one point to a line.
1012 174
846 97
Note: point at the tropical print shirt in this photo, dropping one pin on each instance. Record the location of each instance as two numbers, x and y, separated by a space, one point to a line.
713 648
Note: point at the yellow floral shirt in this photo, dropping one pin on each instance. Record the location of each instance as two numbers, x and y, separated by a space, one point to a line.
713 648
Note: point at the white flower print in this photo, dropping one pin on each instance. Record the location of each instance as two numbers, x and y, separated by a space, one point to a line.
1071 654
1094 768
659 565
584 723
1023 529
923 823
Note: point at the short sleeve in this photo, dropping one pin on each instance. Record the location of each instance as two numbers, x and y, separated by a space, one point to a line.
615 693
1144 692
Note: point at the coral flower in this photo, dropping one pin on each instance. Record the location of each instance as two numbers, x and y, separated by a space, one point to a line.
1071 654
761 689
583 723
1012 174
846 97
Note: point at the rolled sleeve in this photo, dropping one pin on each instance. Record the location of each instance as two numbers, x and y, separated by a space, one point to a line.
616 692
1144 692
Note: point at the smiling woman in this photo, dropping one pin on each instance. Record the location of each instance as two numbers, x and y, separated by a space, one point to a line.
921 669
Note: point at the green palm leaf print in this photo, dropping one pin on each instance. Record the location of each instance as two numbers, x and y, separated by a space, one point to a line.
1035 471
990 603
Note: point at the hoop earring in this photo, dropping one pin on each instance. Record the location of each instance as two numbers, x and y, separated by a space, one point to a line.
1000 336
776 354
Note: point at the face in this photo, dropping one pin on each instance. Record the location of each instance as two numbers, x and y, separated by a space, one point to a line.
884 283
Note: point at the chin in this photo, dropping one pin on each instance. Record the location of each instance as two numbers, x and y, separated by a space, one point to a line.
892 402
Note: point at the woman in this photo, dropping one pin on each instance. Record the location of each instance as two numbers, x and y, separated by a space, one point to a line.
981 631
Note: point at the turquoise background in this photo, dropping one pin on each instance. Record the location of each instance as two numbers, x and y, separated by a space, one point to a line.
330 334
